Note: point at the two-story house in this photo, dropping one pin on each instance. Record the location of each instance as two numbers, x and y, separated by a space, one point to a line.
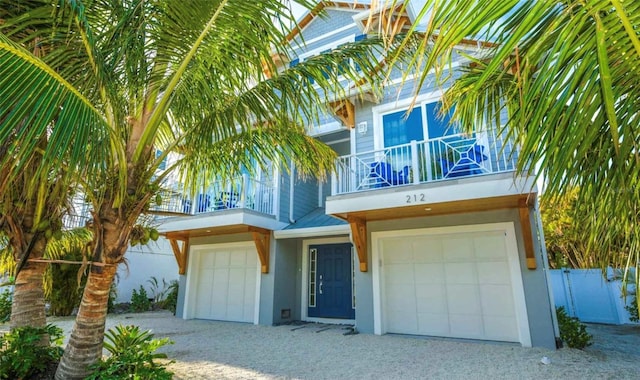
421 230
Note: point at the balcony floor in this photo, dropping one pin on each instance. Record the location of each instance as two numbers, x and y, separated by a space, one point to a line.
482 193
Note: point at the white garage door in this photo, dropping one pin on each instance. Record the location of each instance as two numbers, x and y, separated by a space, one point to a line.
225 283
450 284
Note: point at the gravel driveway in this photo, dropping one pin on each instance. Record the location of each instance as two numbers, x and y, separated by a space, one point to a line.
225 350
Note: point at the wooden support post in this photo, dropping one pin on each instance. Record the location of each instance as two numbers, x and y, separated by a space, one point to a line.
180 254
261 240
359 236
527 234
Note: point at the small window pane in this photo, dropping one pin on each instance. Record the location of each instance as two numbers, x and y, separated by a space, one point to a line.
439 125
400 128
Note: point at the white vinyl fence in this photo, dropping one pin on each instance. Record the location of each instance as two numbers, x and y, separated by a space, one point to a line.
590 296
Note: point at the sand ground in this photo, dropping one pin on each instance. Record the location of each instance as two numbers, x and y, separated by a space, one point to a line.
226 350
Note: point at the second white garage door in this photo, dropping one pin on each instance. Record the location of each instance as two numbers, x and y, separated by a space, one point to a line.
451 283
224 282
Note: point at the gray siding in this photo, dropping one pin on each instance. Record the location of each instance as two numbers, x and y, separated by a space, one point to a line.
286 295
534 281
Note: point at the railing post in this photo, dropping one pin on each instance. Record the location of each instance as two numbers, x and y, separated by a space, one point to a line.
415 166
245 188
334 181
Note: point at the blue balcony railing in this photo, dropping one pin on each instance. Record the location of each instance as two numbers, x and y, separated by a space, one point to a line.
449 157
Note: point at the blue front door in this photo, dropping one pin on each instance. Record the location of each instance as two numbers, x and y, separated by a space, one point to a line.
331 281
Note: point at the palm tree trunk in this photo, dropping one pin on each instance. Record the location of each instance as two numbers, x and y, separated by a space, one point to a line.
85 344
28 308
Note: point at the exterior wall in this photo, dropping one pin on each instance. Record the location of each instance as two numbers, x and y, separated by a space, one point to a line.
321 28
305 197
534 281
143 262
287 280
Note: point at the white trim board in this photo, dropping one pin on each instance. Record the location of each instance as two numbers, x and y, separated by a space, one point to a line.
514 265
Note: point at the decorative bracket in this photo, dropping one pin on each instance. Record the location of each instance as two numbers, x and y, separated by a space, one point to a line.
359 237
527 235
261 240
180 254
345 111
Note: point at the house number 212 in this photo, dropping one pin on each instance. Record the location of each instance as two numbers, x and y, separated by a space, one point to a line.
413 198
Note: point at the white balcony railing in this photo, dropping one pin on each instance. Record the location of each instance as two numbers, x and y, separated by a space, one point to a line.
449 157
241 193
74 221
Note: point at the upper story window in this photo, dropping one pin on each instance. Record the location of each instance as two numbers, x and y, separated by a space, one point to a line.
423 122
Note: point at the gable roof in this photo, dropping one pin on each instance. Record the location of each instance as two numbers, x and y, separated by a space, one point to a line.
315 12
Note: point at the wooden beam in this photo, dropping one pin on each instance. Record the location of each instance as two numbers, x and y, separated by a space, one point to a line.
359 236
180 254
261 240
527 234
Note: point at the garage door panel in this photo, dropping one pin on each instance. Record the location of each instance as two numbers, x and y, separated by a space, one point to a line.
401 323
238 260
463 299
454 284
436 324
402 251
221 258
466 326
501 328
225 286
461 273
494 272
399 274
490 246
457 248
428 250
497 300
401 297
432 273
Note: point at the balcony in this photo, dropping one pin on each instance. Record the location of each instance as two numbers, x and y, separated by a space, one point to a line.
240 193
450 157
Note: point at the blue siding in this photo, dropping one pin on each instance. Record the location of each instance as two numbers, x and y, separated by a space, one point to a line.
364 142
305 197
321 26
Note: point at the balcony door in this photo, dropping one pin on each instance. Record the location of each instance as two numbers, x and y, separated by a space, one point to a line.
423 122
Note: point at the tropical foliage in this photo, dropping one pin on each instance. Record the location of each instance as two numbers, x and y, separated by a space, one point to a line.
119 81
563 235
133 354
21 354
64 282
573 332
567 75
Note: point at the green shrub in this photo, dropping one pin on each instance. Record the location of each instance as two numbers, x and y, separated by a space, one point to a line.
572 331
140 300
22 355
5 305
132 356
171 300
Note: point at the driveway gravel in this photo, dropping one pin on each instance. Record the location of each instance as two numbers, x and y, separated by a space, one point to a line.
226 350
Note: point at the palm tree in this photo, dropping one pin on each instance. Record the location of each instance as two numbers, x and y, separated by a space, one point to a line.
567 74
199 78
